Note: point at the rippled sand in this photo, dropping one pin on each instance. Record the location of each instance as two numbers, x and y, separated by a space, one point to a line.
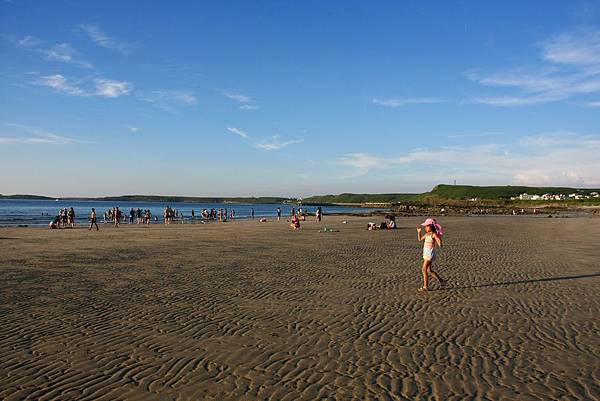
247 311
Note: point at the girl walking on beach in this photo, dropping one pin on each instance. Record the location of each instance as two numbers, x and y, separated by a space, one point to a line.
432 238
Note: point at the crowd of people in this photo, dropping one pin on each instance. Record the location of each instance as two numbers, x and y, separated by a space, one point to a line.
115 216
65 218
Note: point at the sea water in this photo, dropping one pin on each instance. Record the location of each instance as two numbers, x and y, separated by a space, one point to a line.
15 212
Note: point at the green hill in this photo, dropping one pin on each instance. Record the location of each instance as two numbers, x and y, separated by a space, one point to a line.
447 192
443 191
362 198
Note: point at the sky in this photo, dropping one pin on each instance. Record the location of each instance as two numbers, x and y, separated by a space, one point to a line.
284 98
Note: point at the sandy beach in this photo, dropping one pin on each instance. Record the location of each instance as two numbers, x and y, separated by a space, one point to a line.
255 311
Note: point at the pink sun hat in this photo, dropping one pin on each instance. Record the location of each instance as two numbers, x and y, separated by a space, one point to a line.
433 222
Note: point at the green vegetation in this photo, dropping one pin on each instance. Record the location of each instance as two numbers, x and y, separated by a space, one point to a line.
362 198
443 192
25 197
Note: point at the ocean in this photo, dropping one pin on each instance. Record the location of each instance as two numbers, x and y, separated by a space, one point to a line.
14 212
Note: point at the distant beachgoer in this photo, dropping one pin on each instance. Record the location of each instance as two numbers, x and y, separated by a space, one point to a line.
278 213
252 213
55 223
432 238
71 217
295 222
391 225
131 216
193 216
225 215
93 220
293 212
319 214
117 214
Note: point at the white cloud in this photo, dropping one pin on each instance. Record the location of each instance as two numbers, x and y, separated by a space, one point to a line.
169 100
238 97
476 135
110 88
102 87
560 158
579 47
61 52
571 68
103 40
275 143
593 104
249 107
397 102
133 129
246 102
237 131
29 41
60 84
24 134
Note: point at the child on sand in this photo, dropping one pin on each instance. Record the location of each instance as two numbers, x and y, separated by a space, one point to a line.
432 238
295 222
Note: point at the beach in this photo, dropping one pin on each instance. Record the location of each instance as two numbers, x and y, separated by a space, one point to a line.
255 311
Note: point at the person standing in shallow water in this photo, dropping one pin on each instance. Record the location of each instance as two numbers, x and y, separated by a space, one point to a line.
432 238
93 220
278 213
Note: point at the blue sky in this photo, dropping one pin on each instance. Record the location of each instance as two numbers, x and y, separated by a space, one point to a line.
294 99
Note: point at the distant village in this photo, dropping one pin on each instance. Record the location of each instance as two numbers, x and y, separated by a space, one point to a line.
558 197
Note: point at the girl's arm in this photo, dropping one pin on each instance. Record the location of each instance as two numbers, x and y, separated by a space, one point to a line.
438 240
419 236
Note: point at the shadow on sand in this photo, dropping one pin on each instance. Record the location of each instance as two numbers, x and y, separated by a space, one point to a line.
539 280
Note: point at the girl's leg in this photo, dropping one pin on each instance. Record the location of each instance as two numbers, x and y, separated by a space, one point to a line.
426 264
436 275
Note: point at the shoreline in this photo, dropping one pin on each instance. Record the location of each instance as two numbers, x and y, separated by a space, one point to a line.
338 217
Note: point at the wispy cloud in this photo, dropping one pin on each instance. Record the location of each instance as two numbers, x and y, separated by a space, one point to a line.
398 102
275 143
29 41
593 104
581 47
60 84
133 129
110 88
98 87
559 158
61 52
238 97
237 131
245 102
476 135
103 40
249 107
570 67
169 100
24 134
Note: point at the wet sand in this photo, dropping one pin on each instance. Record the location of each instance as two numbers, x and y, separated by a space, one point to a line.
247 311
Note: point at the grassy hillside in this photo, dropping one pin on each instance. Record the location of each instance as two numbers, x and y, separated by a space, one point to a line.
444 192
362 198
495 192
